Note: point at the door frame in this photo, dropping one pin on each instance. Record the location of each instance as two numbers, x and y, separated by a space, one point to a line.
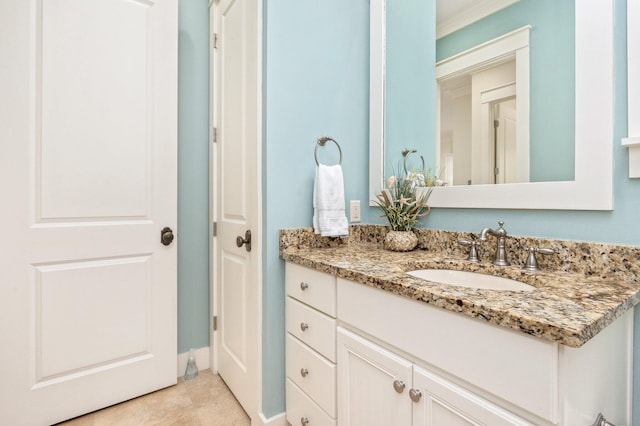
214 285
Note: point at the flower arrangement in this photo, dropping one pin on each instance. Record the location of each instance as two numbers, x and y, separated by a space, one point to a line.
404 201
400 204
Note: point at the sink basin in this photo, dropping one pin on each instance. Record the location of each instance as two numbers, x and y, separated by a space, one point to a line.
470 279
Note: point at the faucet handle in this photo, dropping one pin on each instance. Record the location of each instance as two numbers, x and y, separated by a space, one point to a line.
501 232
532 264
473 253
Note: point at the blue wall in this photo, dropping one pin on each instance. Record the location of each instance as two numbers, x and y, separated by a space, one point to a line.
317 83
193 174
552 85
317 67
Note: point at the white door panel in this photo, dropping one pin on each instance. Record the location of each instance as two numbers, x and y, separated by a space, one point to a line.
232 307
109 324
88 180
107 129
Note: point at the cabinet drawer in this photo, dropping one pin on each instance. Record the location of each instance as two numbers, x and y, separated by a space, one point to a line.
312 327
317 289
300 406
319 380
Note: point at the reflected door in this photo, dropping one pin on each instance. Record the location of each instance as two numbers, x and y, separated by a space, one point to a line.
88 181
505 142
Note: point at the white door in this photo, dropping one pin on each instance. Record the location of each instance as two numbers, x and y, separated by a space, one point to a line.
88 180
237 71
442 403
373 384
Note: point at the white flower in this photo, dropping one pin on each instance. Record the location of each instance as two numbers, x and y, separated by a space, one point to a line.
415 179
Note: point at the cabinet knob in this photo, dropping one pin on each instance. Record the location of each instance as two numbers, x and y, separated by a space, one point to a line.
304 372
304 421
304 326
399 386
304 286
415 395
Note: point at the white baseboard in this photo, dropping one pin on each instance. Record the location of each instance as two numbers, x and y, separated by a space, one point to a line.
202 360
277 420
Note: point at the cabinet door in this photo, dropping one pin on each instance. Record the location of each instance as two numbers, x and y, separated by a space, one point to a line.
442 403
373 384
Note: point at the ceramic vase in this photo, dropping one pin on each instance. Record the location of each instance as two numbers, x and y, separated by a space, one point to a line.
400 240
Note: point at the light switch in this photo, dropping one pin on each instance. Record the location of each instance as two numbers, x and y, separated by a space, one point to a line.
354 210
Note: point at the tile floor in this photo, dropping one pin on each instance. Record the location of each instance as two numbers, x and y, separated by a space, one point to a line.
205 401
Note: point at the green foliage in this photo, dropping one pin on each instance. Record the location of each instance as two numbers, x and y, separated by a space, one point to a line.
400 205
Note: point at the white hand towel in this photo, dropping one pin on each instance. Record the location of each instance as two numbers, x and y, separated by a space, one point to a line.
329 218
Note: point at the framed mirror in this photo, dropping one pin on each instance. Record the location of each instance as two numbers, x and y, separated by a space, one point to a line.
589 187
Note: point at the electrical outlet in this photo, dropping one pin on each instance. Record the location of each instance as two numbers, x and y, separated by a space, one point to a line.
354 210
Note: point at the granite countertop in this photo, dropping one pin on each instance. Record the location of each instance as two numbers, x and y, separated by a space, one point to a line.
565 307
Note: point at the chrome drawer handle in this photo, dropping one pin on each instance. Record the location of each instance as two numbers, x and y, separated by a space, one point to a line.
304 326
399 386
304 286
304 421
304 372
415 395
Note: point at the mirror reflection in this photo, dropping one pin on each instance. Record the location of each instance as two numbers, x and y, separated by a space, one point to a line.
478 110
504 89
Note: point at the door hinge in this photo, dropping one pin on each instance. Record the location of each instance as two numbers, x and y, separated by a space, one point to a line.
214 323
496 171
215 229
496 123
214 41
214 134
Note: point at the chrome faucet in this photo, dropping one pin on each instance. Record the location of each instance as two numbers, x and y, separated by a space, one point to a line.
501 234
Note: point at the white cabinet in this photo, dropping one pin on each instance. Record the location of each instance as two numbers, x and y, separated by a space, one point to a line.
363 356
310 347
467 362
378 387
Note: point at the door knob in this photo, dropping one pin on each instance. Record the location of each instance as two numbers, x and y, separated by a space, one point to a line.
246 241
166 236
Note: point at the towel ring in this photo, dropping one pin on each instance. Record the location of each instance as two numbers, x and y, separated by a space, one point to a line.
321 142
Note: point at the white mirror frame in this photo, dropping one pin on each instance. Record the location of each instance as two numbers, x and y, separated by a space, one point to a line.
633 88
592 188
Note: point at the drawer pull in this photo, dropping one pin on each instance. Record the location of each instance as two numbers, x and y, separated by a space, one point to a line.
304 372
415 395
304 326
304 286
304 421
399 386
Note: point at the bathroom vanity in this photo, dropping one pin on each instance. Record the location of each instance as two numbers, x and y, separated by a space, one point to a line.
368 344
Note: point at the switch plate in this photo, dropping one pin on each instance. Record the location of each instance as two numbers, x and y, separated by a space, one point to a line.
354 210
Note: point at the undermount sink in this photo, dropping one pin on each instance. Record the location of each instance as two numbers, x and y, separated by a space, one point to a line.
469 279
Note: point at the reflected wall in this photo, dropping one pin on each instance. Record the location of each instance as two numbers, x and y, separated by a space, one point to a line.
411 54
